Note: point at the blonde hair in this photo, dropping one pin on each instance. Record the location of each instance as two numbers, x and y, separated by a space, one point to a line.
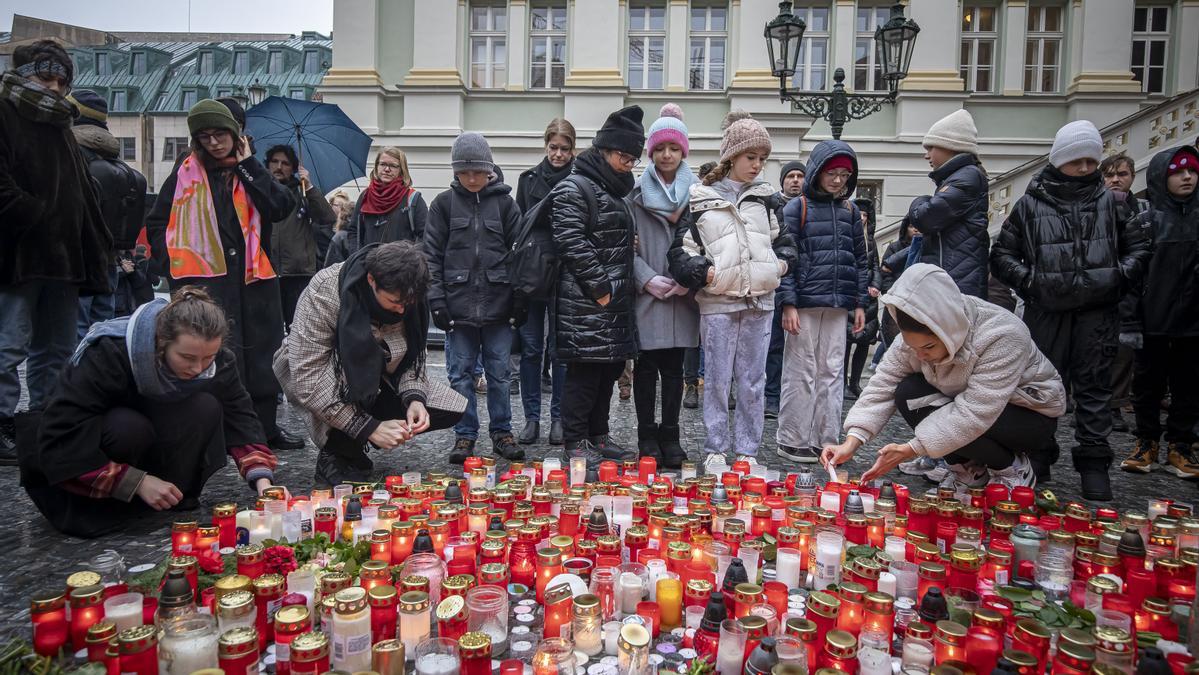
398 155
559 126
343 215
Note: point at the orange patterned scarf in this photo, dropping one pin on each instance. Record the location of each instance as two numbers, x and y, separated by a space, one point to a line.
193 236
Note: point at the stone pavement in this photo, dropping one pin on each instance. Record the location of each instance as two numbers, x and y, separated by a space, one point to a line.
36 557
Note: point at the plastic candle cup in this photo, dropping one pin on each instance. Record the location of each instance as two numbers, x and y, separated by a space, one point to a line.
827 568
670 600
139 650
787 567
48 614
730 655
86 609
124 610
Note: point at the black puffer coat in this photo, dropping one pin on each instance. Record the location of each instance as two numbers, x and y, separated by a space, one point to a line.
122 188
596 251
1170 297
467 239
1063 247
954 223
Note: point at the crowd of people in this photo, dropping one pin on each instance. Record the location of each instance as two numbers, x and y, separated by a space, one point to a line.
772 297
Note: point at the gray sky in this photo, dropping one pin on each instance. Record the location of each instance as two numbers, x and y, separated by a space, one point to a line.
226 16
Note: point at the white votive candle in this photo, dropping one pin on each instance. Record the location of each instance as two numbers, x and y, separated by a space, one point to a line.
787 567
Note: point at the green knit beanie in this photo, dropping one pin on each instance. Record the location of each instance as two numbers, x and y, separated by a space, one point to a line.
211 114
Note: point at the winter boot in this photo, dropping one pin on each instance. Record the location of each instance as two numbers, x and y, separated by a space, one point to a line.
1183 461
673 454
690 396
463 448
610 449
8 442
1145 453
647 442
333 470
1093 473
583 449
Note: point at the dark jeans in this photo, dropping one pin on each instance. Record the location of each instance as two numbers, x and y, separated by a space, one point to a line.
855 364
881 351
181 443
1167 362
290 289
1081 346
774 360
1122 377
532 349
1016 430
97 308
494 344
587 397
387 406
693 364
652 364
37 325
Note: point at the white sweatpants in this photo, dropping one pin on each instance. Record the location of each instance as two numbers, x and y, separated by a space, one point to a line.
813 380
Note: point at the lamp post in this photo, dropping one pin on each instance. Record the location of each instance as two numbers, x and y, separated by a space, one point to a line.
257 92
894 42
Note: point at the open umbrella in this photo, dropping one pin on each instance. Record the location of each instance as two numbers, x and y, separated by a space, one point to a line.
329 144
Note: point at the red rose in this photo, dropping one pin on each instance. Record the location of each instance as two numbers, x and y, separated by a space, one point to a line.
211 562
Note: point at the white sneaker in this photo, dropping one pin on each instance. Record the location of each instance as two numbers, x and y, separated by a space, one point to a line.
1020 473
962 477
801 455
917 467
938 472
714 464
753 461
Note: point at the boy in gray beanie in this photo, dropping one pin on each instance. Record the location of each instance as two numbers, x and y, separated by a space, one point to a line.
1065 250
469 231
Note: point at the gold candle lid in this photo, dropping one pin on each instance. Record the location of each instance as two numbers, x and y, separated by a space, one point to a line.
291 615
586 604
84 578
137 639
235 604
475 645
414 601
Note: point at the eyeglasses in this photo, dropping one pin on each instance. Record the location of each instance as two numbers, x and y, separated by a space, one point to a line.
218 137
389 167
838 175
627 159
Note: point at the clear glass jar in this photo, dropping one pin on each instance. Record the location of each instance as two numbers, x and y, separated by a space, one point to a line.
487 609
188 644
110 566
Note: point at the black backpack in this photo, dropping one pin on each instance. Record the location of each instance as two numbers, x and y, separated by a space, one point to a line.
533 266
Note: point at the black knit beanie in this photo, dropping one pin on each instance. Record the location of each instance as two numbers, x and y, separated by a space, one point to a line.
622 131
793 165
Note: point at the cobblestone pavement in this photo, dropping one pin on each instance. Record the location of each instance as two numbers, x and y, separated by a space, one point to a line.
36 557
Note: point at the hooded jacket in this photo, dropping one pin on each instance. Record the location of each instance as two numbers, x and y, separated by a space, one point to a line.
467 238
953 221
833 266
1063 247
1170 290
122 190
742 241
301 240
992 362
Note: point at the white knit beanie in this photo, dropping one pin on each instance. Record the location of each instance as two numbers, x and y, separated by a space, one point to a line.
955 131
1077 140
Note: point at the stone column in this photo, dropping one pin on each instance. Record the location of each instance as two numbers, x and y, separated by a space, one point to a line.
1186 53
1014 25
354 81
934 64
595 26
678 52
1102 89
751 67
518 35
437 33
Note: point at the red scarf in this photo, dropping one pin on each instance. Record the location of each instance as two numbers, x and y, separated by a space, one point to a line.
382 198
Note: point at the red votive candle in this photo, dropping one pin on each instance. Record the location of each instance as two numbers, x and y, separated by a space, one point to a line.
48 613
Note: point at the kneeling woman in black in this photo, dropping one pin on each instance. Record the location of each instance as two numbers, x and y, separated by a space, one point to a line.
144 415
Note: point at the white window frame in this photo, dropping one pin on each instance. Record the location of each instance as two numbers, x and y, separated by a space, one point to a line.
972 39
548 35
1148 38
803 78
1038 36
495 73
878 15
708 36
206 63
645 38
123 101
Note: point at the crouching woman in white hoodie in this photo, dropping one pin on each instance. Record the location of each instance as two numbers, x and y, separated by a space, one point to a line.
967 378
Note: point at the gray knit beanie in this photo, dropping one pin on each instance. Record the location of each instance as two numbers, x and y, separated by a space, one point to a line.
471 152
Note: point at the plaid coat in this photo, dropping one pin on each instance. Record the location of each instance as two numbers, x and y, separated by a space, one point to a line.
304 365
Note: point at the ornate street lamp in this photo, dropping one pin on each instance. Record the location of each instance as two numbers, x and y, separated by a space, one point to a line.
894 42
257 93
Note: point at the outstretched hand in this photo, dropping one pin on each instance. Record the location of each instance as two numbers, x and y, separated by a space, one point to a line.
889 457
418 418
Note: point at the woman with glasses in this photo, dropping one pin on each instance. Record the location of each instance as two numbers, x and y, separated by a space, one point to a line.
828 285
592 307
389 209
211 227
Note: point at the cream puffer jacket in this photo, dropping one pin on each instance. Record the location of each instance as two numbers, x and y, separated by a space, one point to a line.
738 239
992 362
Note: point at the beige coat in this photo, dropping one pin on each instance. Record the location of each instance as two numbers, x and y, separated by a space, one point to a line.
738 239
993 362
305 368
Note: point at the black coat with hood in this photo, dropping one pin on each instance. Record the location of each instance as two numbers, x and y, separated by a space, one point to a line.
953 221
467 239
1170 289
121 188
596 252
1063 248
535 184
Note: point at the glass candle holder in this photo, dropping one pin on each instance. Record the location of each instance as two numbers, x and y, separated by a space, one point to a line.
188 644
587 625
437 656
917 652
138 648
555 656
487 609
309 653
730 653
669 591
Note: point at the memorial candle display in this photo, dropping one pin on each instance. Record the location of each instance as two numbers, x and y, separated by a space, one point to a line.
86 609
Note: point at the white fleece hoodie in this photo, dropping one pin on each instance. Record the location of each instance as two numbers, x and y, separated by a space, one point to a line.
993 361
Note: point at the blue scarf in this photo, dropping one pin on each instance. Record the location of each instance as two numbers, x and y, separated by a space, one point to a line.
151 377
666 200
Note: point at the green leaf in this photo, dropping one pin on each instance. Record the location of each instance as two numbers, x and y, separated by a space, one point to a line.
1047 615
1039 595
1013 593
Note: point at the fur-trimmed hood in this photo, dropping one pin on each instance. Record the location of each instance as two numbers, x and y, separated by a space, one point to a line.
97 139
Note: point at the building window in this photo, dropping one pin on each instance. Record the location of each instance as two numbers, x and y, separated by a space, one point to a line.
172 147
1043 50
138 63
312 63
709 37
298 93
120 101
189 98
872 190
205 67
979 36
274 63
224 92
867 71
488 47
102 64
1150 40
128 148
241 63
647 45
547 47
811 71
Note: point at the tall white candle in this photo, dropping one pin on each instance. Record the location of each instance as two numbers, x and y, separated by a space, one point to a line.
125 610
827 568
886 583
830 501
630 593
578 470
787 567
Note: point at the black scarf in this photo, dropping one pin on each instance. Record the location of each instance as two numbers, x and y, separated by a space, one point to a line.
591 163
549 175
360 357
